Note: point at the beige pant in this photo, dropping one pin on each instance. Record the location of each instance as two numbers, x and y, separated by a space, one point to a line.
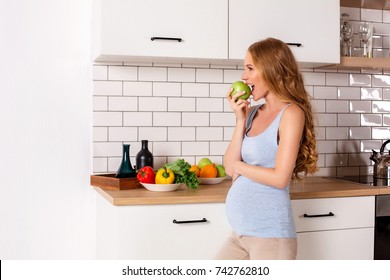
241 247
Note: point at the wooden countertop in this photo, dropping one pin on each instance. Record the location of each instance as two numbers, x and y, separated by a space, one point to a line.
310 187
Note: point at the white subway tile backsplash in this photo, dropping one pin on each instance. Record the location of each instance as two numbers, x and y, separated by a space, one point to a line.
371 93
100 133
122 73
230 76
348 119
325 92
100 103
348 146
334 133
337 106
380 107
195 148
167 149
360 80
116 103
138 88
107 88
152 74
381 133
381 80
125 134
359 106
327 147
209 75
181 134
195 90
348 93
181 75
107 118
337 79
182 108
359 133
153 104
209 104
195 119
181 104
166 119
326 119
153 133
166 89
209 133
219 90
314 79
100 72
139 119
371 120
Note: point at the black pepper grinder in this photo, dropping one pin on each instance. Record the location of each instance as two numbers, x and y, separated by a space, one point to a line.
144 156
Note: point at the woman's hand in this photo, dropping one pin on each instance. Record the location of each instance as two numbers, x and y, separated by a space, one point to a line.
238 105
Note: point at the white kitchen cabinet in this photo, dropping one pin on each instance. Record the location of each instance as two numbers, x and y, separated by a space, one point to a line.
313 24
335 228
164 29
147 231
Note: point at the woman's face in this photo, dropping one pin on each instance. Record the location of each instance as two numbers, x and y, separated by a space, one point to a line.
254 78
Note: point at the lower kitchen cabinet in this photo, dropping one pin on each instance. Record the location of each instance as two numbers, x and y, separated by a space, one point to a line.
148 232
335 228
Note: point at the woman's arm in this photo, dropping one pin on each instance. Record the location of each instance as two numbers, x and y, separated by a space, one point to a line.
233 151
290 134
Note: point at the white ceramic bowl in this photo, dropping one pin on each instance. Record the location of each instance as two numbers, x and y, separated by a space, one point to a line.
211 181
162 187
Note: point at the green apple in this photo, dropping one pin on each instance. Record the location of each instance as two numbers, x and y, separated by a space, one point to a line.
220 170
203 162
241 86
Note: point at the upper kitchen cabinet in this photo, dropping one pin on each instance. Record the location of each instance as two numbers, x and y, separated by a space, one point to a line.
311 27
149 29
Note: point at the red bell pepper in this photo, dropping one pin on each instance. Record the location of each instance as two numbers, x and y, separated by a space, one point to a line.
146 175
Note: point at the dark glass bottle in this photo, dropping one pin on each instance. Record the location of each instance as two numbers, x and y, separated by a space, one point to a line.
125 169
144 156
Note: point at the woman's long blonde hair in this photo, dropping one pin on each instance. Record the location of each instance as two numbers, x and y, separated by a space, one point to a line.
283 77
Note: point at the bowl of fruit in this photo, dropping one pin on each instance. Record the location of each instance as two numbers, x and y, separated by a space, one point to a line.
170 177
208 172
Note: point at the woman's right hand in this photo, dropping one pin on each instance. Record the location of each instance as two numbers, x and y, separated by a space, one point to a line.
238 105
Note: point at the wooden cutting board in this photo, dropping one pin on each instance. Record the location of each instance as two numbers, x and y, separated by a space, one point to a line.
109 182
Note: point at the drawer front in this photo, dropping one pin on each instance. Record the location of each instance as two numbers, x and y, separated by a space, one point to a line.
148 232
333 213
346 244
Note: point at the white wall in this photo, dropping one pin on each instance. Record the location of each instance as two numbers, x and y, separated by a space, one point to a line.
47 208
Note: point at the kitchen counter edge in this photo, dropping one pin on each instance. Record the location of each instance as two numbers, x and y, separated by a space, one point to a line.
307 188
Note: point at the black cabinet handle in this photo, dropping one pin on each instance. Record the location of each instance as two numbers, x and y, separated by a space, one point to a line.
330 214
166 38
190 221
295 44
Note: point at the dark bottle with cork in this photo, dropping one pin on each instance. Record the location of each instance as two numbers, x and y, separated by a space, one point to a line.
144 156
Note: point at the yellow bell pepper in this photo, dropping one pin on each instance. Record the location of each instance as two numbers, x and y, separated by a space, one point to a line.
165 176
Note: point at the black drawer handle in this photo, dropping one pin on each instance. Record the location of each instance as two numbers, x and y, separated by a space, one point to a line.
166 38
330 214
190 221
295 44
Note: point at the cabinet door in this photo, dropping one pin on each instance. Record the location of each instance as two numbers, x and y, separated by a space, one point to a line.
148 232
349 244
191 28
313 24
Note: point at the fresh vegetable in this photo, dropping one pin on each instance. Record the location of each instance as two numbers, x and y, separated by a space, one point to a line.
146 175
165 176
181 168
